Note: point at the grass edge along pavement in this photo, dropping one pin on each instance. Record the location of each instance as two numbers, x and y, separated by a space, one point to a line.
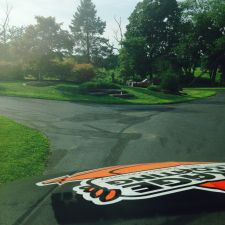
69 92
23 150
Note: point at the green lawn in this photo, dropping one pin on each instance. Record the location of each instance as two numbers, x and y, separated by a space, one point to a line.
23 151
69 92
198 73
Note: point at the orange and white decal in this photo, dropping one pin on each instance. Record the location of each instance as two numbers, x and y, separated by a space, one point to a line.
142 181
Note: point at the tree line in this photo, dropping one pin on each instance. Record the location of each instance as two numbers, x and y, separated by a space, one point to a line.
168 40
165 41
45 49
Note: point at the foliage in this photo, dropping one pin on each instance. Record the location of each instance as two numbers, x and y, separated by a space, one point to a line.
187 51
109 61
109 76
207 19
82 73
104 75
48 36
65 69
158 22
189 34
9 50
61 68
87 30
151 33
134 58
11 71
41 43
170 83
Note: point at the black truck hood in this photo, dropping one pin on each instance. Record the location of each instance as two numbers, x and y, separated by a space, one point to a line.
69 200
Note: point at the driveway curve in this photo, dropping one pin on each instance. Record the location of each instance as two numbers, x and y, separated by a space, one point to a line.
88 136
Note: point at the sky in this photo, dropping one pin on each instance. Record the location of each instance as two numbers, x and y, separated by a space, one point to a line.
24 11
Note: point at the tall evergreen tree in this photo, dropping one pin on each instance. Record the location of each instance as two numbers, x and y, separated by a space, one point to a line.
87 29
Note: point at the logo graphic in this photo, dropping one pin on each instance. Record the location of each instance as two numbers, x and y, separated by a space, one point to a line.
143 181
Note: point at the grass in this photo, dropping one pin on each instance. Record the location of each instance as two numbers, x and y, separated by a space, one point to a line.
198 73
152 97
23 151
69 92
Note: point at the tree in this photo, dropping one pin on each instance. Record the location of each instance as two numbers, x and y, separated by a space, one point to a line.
217 55
157 21
206 38
187 51
48 37
4 31
134 55
87 30
4 26
210 34
43 42
118 33
152 33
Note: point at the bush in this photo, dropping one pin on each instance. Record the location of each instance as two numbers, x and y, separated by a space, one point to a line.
51 69
82 73
103 75
170 83
111 76
63 69
95 86
69 70
10 71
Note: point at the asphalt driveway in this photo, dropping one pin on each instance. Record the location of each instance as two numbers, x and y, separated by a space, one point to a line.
91 136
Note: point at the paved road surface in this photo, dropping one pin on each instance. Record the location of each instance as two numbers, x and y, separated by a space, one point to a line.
91 136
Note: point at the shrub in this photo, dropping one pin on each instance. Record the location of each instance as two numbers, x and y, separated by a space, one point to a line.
49 68
95 86
103 75
11 71
111 76
63 69
82 73
170 83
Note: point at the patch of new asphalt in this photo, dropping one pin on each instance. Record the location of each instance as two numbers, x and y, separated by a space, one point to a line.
88 136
